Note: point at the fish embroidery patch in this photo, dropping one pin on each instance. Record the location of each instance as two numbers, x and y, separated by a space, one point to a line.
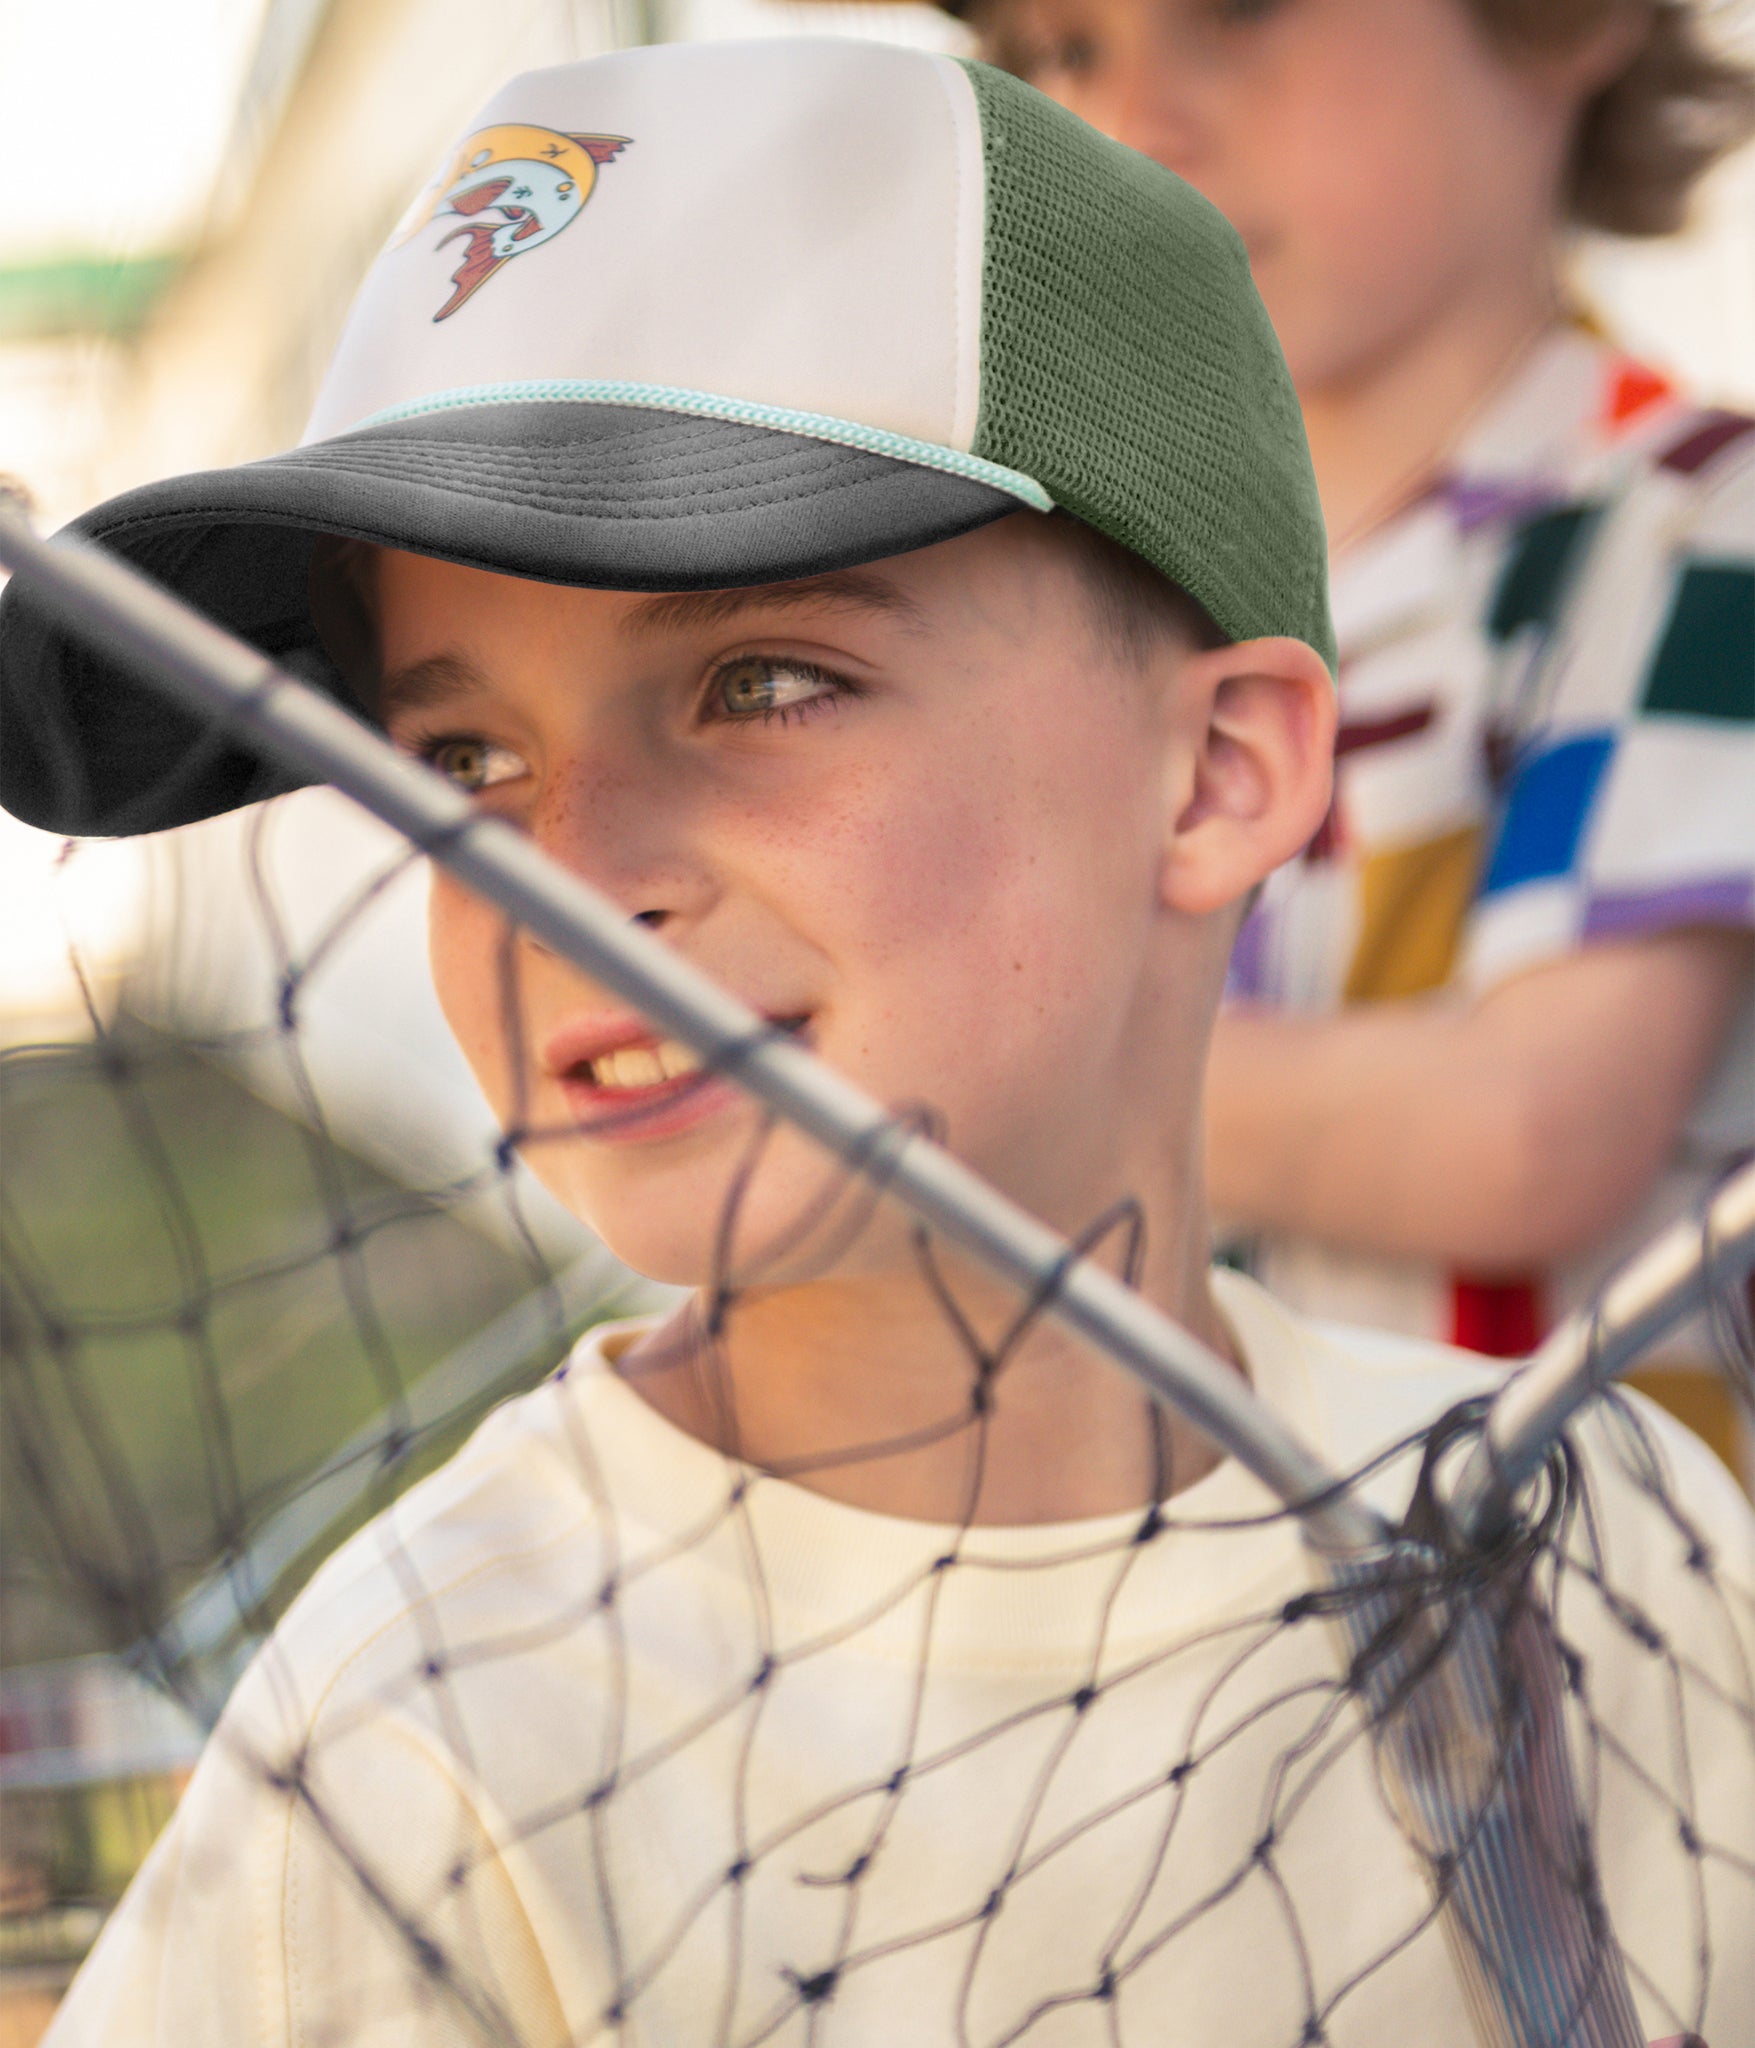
511 188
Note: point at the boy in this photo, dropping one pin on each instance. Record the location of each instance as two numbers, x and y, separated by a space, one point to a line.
839 1660
1544 562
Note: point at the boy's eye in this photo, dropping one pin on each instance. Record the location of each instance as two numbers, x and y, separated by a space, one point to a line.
761 686
473 764
1071 55
1241 13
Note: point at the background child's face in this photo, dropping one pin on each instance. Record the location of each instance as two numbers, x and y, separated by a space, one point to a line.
1381 162
917 810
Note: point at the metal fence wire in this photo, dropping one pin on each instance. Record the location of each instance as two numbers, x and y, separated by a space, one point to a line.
1455 1745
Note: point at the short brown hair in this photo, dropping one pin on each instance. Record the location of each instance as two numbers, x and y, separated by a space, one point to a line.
1134 607
1646 137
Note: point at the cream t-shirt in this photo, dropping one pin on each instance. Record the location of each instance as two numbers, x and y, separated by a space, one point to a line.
600 1736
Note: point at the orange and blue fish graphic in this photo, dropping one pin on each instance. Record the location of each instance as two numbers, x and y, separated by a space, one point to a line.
513 187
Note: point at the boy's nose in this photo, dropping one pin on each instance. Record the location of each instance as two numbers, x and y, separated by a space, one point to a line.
630 830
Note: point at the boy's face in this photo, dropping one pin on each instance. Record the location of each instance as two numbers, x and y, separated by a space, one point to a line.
1378 158
916 811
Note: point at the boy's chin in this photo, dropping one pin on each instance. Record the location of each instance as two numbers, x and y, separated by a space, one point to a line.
782 1220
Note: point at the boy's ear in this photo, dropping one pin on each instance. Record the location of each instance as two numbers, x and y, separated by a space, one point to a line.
1253 768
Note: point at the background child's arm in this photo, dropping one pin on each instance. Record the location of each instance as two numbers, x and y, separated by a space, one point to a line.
1493 1134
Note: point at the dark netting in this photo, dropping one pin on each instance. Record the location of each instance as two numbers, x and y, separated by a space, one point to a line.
608 1731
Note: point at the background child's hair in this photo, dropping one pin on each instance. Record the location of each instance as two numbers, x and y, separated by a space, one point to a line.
1643 140
1646 138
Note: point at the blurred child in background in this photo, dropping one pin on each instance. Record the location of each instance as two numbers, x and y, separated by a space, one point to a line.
1495 1024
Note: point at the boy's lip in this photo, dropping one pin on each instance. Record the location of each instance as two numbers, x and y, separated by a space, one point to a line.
632 1107
583 1039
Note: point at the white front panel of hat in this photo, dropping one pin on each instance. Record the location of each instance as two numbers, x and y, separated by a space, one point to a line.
796 224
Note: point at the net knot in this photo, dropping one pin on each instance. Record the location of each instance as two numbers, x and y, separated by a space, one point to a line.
1082 1699
814 1990
293 1776
1637 1625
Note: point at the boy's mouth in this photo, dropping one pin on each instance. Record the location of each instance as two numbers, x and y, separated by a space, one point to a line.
620 1080
632 1067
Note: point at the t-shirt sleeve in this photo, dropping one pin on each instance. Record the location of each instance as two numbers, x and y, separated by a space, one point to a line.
192 1952
329 1885
1629 805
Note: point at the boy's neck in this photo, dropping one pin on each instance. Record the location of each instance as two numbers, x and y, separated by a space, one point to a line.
1382 433
810 1380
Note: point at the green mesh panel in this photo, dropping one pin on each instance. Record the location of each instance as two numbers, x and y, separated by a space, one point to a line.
1127 365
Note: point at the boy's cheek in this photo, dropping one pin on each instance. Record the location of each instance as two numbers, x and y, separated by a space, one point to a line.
466 944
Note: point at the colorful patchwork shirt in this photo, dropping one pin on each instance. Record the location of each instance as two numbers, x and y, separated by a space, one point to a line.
1547 740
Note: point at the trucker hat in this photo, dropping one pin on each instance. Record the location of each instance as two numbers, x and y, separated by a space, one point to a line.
717 314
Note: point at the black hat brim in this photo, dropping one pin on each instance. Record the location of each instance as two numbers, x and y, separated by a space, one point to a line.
612 497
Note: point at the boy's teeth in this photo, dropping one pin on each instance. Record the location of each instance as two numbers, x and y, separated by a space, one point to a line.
677 1060
643 1066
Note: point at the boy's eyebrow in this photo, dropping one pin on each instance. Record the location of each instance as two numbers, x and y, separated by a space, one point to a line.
839 589
438 678
424 684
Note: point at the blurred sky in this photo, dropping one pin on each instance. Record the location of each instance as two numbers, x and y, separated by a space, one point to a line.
160 83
